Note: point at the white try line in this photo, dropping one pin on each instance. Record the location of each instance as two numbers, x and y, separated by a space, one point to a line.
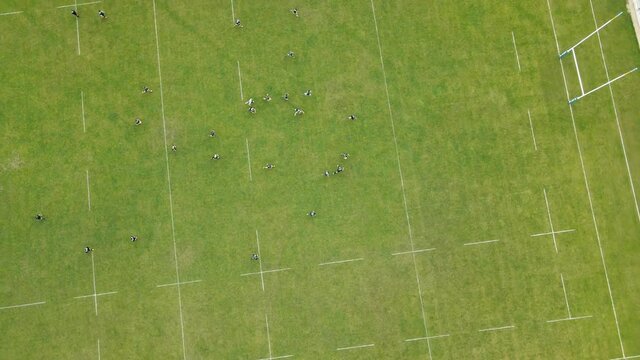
12 13
249 159
181 283
615 111
240 80
513 37
340 261
481 242
94 295
233 13
76 4
402 187
426 338
586 184
166 156
355 347
98 349
88 192
569 319
23 305
265 272
413 251
260 260
533 135
498 328
553 232
84 125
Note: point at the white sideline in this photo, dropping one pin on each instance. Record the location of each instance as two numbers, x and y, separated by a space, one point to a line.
77 28
249 159
498 328
533 135
265 272
23 305
413 251
94 295
76 4
569 319
182 283
166 155
266 319
615 111
355 347
260 261
88 192
404 195
12 13
84 125
233 19
425 338
340 261
553 233
240 80
480 242
586 183
513 37
98 349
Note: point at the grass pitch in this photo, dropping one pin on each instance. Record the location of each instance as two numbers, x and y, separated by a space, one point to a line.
462 151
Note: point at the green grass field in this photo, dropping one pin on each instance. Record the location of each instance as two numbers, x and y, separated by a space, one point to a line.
421 249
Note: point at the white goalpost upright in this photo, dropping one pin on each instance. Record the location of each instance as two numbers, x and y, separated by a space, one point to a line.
572 51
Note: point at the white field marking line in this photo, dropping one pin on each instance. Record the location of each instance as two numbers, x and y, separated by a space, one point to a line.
23 305
413 251
533 135
76 4
575 60
480 242
608 83
249 159
260 261
498 328
240 80
266 319
233 15
340 261
430 337
277 357
569 319
98 349
88 192
566 299
355 347
627 357
94 295
11 13
166 156
404 195
182 283
586 183
513 36
265 272
84 125
615 111
77 28
553 233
